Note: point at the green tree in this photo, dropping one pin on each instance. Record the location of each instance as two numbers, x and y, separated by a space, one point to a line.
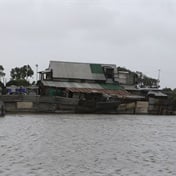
145 81
149 82
1 68
28 71
15 73
20 82
2 71
21 73
1 75
171 97
141 79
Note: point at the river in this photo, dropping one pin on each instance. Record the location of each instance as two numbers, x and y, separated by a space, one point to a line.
87 145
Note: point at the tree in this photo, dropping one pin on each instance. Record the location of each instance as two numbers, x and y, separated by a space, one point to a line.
1 68
2 74
145 81
149 82
20 82
29 71
15 73
21 73
140 79
171 97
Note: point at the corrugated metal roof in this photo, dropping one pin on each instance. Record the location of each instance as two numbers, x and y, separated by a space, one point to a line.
74 71
156 94
71 85
119 93
111 86
86 88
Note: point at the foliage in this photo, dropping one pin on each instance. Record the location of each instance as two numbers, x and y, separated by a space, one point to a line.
141 79
146 81
167 91
1 68
19 82
21 73
1 71
171 97
1 85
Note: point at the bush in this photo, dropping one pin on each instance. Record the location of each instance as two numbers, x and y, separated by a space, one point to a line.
20 82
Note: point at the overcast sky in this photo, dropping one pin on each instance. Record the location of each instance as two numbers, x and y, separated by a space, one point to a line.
137 34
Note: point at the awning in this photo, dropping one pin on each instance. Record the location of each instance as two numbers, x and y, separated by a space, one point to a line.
109 89
58 84
156 94
119 93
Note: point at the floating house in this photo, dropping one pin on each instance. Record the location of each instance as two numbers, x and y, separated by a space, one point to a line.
87 88
67 78
83 81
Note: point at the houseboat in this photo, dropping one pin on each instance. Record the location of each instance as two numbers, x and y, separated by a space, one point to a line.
82 87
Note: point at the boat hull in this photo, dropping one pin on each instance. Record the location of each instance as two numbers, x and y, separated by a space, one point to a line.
97 107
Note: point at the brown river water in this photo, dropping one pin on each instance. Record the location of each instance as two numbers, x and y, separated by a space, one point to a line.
87 145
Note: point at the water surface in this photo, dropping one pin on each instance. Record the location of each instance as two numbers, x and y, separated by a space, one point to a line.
87 145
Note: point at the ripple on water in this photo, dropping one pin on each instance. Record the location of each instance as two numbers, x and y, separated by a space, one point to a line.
79 145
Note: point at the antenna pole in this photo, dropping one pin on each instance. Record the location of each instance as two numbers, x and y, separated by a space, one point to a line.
159 74
158 77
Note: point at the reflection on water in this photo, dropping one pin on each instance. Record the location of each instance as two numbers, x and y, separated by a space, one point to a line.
83 145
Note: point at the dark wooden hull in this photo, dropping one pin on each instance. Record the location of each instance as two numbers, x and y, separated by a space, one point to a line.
97 107
56 104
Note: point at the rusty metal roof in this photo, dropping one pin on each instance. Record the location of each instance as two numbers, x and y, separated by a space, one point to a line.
119 93
89 88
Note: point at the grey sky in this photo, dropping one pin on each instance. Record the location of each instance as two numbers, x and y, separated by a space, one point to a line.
137 34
